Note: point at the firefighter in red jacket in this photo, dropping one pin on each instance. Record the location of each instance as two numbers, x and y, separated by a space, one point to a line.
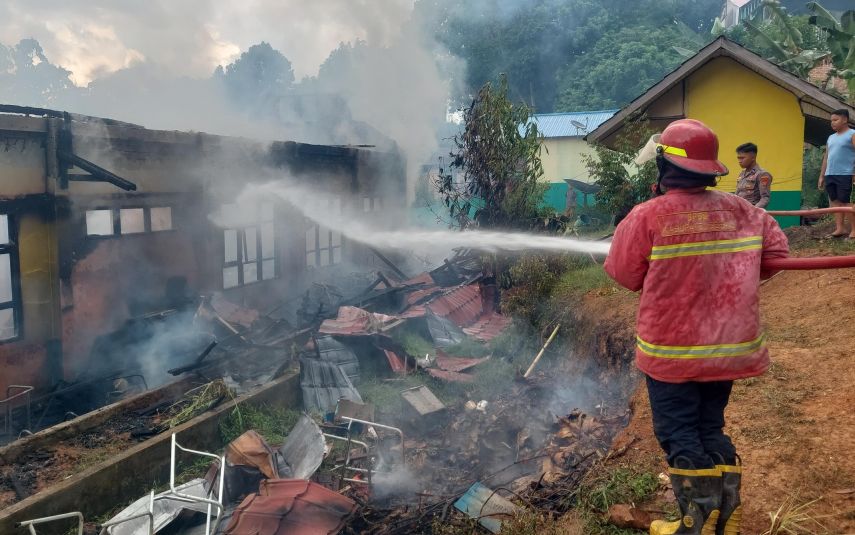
695 254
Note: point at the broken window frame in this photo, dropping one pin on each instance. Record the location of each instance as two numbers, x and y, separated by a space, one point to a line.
116 218
149 218
114 221
11 248
328 251
242 250
372 204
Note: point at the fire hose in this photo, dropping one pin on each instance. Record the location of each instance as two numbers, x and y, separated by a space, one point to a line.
814 211
809 262
812 262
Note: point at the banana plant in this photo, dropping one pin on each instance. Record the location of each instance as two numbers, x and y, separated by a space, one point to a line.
841 41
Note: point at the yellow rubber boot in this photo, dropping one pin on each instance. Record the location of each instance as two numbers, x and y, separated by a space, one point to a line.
730 519
698 495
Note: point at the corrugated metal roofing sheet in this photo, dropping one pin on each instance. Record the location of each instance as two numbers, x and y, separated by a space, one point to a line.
395 362
456 364
354 321
461 305
488 327
561 124
332 350
291 507
464 306
323 384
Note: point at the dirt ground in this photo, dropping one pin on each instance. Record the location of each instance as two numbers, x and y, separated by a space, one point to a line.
38 470
793 426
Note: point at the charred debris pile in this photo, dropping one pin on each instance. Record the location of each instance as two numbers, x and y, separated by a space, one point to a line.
415 412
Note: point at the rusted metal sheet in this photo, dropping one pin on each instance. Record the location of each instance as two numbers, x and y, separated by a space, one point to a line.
465 307
395 362
353 321
232 313
456 364
291 507
250 449
488 327
461 305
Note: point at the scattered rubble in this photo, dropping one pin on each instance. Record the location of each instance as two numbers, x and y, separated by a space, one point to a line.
486 506
344 458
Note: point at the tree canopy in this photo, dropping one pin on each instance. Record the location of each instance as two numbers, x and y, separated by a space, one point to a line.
548 48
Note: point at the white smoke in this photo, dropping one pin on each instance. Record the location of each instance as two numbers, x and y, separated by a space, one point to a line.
313 205
151 63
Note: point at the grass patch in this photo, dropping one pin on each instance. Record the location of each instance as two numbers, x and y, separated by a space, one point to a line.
528 522
414 343
582 280
272 423
625 484
469 348
90 459
196 468
386 394
492 378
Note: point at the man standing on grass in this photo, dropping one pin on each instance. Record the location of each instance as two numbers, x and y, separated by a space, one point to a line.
754 183
695 254
838 171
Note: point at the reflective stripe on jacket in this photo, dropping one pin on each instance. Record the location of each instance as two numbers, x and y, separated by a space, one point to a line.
695 255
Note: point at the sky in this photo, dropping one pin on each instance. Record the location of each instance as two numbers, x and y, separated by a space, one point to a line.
93 38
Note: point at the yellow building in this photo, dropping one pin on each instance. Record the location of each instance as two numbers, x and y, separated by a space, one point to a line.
563 157
743 98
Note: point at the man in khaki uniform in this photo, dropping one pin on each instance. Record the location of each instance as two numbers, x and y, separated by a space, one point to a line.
754 183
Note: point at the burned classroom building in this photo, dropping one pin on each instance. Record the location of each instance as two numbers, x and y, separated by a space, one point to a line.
103 221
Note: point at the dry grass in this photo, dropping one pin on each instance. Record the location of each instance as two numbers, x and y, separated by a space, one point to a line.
197 401
793 518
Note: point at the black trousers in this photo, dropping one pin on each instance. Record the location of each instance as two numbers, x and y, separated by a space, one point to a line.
688 420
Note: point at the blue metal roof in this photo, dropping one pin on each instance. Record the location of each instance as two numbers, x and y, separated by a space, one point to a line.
573 124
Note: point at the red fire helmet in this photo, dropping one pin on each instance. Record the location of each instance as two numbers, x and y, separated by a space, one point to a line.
691 145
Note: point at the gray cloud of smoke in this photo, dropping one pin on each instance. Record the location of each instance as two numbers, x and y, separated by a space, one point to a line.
192 37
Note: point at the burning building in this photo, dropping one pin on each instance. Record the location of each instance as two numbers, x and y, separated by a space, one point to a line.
103 223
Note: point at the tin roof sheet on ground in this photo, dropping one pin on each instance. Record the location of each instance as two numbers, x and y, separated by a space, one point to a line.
291 507
303 450
332 350
488 327
397 364
465 307
456 364
461 305
354 321
323 384
165 511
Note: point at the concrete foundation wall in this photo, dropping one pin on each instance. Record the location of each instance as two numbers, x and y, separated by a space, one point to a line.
128 476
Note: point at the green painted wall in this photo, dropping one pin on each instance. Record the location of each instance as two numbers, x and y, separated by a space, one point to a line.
556 197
